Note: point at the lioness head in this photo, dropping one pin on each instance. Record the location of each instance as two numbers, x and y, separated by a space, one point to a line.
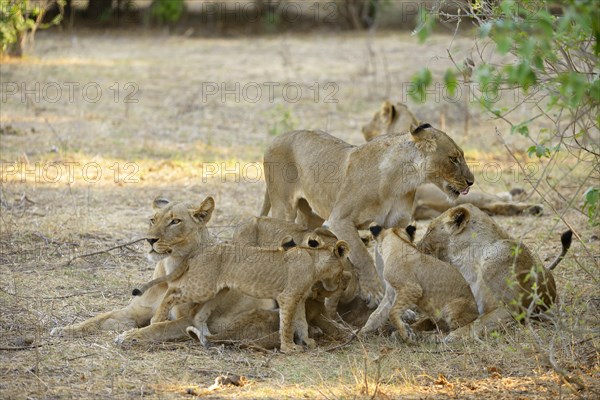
177 228
390 118
445 162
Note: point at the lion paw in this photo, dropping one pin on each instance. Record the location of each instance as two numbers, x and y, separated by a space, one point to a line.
291 348
409 316
310 343
126 338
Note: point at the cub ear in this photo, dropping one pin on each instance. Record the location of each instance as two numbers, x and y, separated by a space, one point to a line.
375 230
312 240
457 219
287 243
410 230
159 202
204 212
341 249
388 112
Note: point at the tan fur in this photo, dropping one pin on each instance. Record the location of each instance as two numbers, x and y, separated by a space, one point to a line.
313 173
235 307
259 272
500 270
435 287
266 231
430 201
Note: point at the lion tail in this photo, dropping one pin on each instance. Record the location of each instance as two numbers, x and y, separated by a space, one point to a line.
165 278
565 239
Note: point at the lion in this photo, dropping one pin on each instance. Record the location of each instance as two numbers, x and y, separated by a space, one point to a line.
267 231
236 309
435 287
430 201
391 118
285 273
503 274
311 175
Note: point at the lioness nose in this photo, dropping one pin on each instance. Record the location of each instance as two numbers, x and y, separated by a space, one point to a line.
151 241
470 183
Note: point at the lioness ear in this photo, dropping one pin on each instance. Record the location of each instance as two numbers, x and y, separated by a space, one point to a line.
410 230
204 212
159 203
388 112
423 141
341 248
457 219
287 243
375 230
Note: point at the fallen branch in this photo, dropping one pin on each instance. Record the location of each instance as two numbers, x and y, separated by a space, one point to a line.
104 251
48 298
17 348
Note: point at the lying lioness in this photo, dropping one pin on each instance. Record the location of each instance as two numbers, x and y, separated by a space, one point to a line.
435 287
284 275
235 309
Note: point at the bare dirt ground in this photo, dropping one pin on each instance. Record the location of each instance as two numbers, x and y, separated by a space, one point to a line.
95 125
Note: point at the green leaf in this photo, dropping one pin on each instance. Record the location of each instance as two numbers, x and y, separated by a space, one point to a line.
421 81
425 24
539 150
450 82
504 43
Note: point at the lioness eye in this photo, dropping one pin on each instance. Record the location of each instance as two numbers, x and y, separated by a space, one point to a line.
152 221
175 221
454 160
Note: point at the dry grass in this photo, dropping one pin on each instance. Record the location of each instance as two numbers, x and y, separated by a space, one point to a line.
163 140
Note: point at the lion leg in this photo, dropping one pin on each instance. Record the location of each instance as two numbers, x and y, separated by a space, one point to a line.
510 209
459 312
136 314
485 323
422 212
371 286
407 295
157 332
306 217
287 313
284 208
199 330
172 297
382 313
301 326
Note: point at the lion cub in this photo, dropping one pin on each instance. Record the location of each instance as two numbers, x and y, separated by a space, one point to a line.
435 287
285 273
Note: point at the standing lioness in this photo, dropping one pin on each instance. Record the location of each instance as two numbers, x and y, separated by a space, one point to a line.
352 186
